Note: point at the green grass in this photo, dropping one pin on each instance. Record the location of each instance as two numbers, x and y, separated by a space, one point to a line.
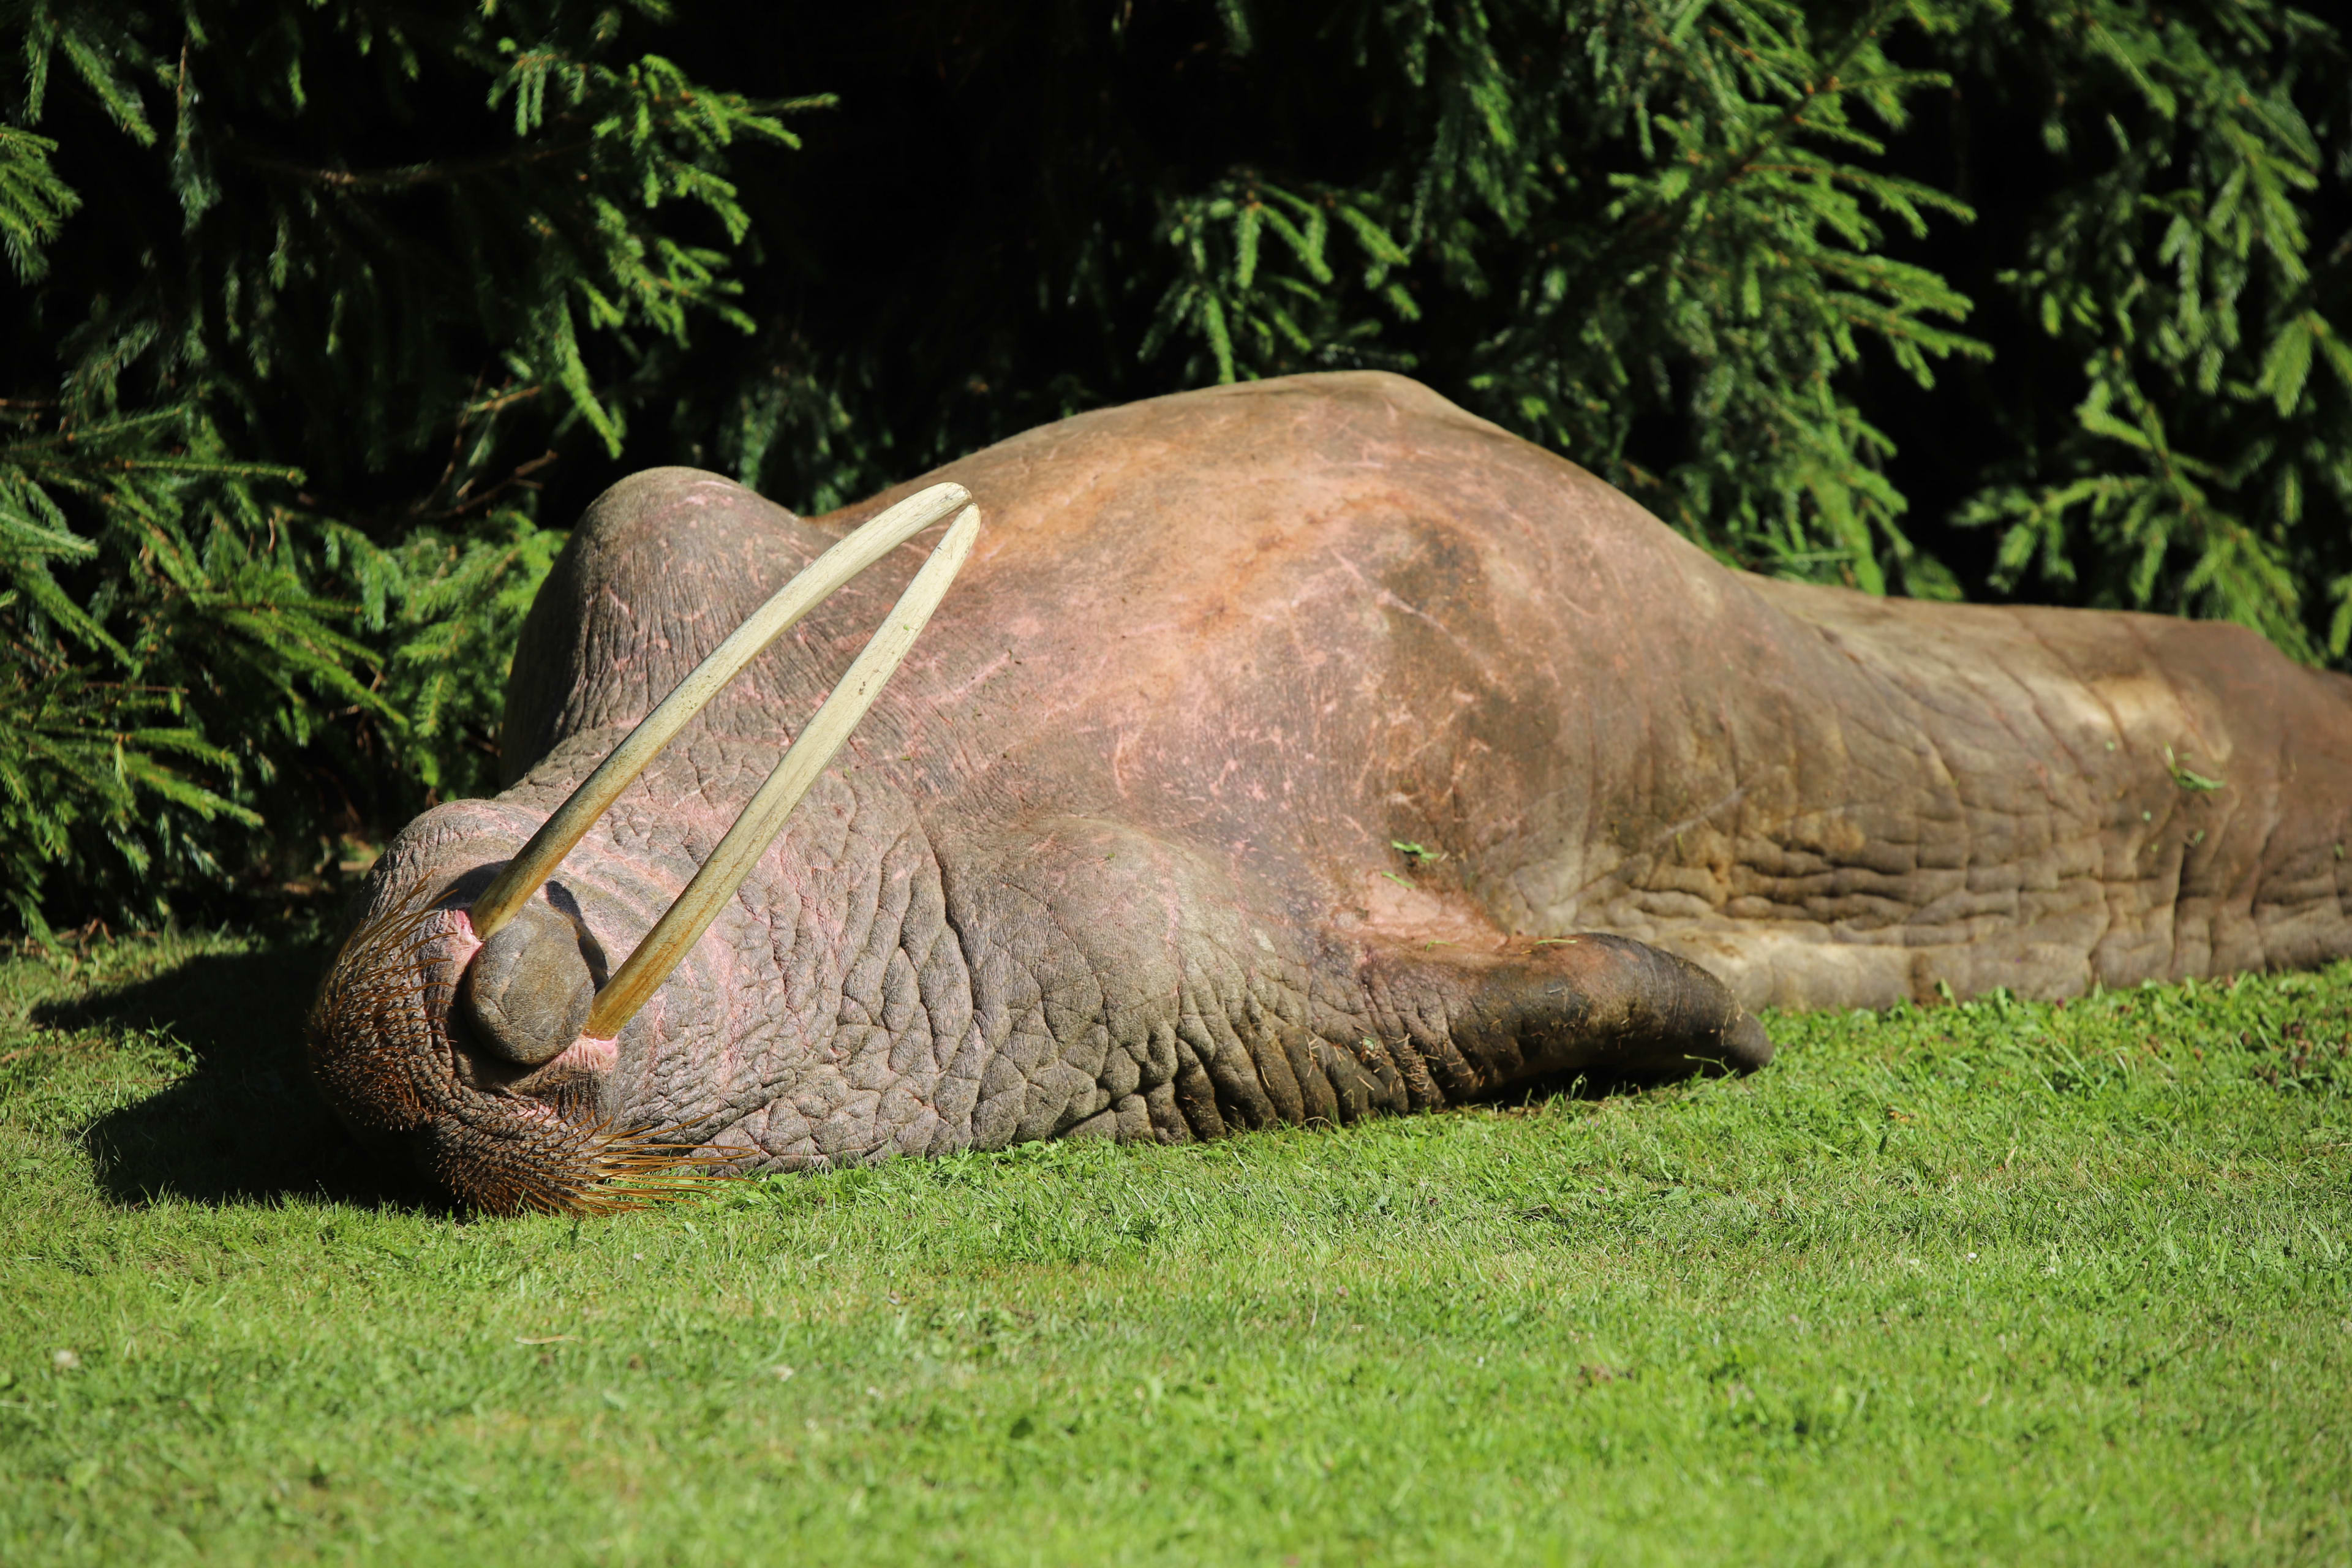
1997 1283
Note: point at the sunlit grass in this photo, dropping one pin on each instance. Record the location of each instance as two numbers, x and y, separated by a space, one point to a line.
1995 1283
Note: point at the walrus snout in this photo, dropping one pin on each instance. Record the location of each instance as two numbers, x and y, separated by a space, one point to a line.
386 1057
526 993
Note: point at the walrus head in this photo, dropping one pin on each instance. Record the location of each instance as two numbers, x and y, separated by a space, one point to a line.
472 1023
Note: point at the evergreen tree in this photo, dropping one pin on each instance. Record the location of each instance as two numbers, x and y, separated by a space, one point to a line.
309 295
326 311
2191 267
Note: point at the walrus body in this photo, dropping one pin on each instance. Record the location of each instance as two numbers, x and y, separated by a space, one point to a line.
1300 750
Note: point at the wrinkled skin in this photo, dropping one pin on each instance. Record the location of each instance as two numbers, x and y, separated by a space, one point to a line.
1114 853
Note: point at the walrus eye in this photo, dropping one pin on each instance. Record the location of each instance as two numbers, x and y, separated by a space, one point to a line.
683 923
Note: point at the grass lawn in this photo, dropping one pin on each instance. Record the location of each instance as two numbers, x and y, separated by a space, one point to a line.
1996 1283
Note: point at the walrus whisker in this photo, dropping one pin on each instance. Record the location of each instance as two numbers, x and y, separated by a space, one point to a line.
377 1002
635 1171
590 1170
562 832
683 923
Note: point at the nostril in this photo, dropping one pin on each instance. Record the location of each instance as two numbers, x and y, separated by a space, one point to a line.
528 992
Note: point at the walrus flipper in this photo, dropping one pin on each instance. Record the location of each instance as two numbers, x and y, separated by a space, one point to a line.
1593 1007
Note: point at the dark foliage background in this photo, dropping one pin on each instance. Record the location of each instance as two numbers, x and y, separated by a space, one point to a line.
327 316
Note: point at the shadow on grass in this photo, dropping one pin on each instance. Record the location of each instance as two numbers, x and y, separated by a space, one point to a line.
246 1125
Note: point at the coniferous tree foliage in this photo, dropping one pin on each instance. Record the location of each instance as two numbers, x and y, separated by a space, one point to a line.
2196 267
328 315
308 294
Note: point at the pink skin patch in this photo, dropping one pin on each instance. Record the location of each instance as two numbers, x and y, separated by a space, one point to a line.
456 928
589 1053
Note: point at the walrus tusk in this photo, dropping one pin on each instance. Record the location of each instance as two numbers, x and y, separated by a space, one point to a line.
562 833
683 923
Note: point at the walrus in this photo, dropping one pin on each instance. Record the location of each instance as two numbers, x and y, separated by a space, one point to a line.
1284 752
